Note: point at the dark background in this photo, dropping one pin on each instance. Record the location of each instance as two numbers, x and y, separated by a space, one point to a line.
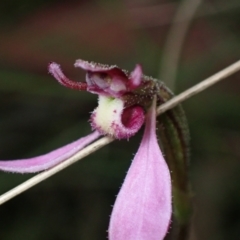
38 115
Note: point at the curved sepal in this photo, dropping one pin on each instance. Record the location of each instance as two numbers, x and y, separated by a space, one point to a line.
143 209
46 161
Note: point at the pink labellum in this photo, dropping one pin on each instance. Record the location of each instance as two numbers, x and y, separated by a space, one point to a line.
43 162
142 210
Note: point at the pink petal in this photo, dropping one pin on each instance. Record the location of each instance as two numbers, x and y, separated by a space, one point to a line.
48 160
98 67
142 210
113 82
135 77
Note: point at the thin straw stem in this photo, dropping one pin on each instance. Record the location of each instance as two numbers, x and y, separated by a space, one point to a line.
50 172
106 140
175 40
199 87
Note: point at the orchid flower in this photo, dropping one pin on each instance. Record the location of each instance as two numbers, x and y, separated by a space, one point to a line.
143 206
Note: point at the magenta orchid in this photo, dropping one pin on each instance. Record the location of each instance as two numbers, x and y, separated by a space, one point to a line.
143 206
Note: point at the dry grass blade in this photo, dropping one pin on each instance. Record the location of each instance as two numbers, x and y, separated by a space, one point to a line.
175 40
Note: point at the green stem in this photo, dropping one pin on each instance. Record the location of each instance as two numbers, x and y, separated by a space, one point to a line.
173 133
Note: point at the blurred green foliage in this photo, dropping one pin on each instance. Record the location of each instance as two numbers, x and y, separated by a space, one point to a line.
37 115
